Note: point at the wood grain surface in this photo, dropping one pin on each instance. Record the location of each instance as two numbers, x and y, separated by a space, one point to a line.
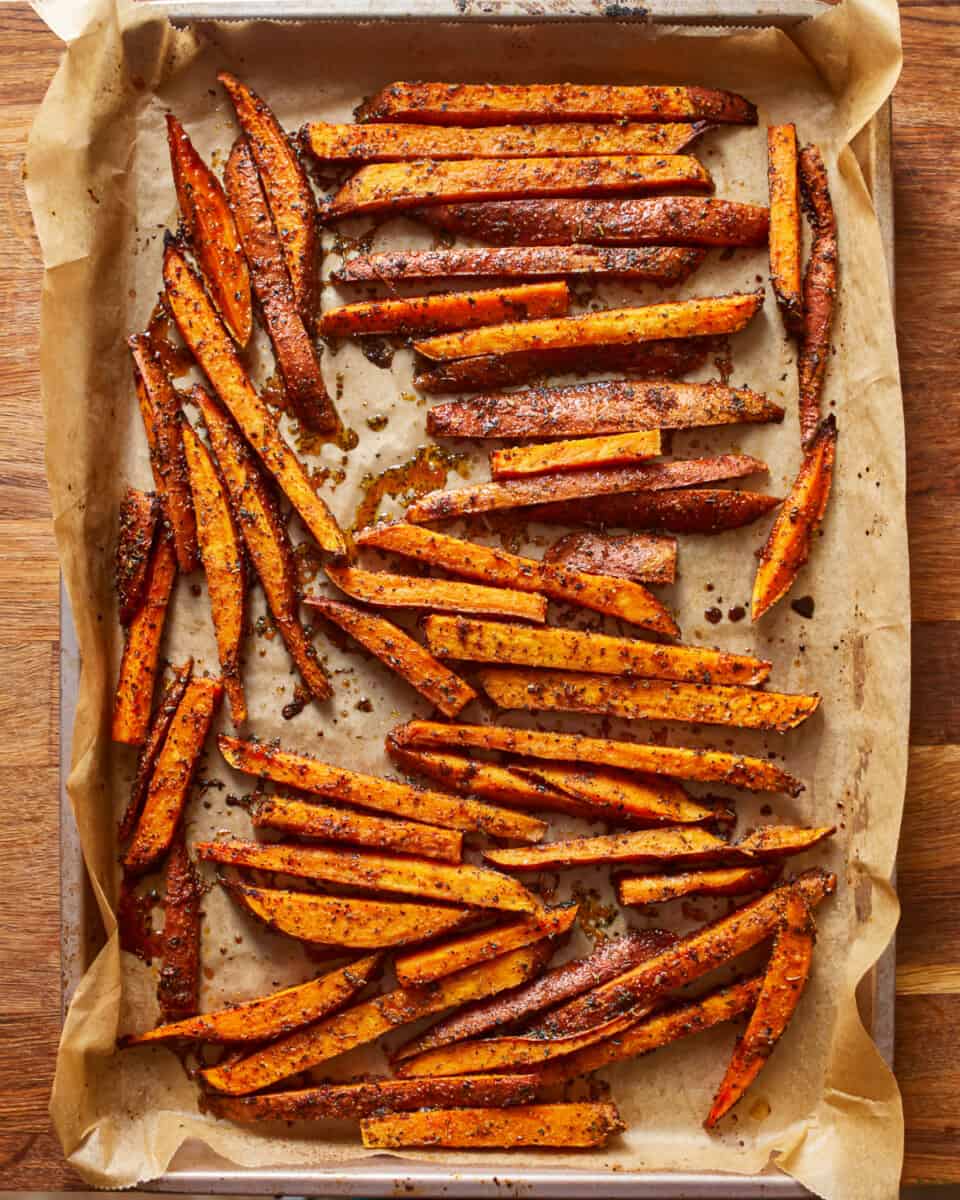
927 161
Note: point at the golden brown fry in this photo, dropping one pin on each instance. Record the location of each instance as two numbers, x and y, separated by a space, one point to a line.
565 1126
437 595
623 799
721 881
178 986
515 462
138 525
784 187
790 539
777 841
642 557
704 510
819 291
400 654
644 845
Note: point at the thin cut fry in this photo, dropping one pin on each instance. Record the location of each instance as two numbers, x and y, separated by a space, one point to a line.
610 450
624 799
790 539
702 510
776 841
178 986
819 291
785 222
565 1126
643 557
437 595
720 881
644 845
138 526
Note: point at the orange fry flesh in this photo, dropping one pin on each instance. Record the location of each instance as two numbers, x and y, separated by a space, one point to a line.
784 186
138 525
642 557
609 450
644 845
565 1126
439 595
622 798
721 881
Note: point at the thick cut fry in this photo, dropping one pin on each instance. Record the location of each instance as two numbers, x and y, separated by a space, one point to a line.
661 220
699 510
167 453
573 649
721 881
348 921
784 185
508 103
644 845
658 264
368 1020
212 232
624 799
400 654
446 310
706 315
642 557
328 824
601 593
287 190
438 595
392 187
266 539
709 766
514 462
783 985
383 795
590 409
292 344
819 291
139 523
173 774
690 959
217 356
141 650
221 552
564 1126
417 967
178 986
790 539
271 1016
462 884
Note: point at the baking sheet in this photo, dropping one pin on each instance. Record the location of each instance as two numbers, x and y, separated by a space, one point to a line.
134 1111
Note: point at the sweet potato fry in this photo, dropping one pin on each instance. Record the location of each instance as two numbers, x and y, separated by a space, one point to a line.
178 986
446 310
692 957
400 654
393 187
271 1016
266 539
776 841
709 766
383 795
784 185
790 539
292 343
287 190
353 1101
657 264
659 220
139 522
720 881
417 967
436 595
643 845
141 650
783 985
221 552
623 799
368 1020
819 291
642 557
167 453
476 887
699 510
578 650
591 409
217 356
401 143
348 921
702 316
514 462
173 774
564 1126
328 824
212 232
507 104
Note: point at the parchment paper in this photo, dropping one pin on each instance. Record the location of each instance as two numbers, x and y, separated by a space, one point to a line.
826 1109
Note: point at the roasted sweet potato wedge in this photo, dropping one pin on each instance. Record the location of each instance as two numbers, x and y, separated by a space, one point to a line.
643 845
620 449
642 557
819 291
383 795
709 766
173 774
217 356
776 841
293 346
790 539
721 881
368 1020
178 986
510 103
141 650
391 187
287 190
784 184
563 1126
438 595
138 526
446 310
702 316
400 654
700 510
783 985
476 887
212 232
578 650
623 799
591 409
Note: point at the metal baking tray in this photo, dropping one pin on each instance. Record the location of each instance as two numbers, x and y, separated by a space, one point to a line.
195 1168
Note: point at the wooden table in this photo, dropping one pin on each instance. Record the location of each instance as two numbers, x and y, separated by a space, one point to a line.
926 115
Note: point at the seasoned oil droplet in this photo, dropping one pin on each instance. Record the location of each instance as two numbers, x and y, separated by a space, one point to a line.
425 472
760 1109
378 422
